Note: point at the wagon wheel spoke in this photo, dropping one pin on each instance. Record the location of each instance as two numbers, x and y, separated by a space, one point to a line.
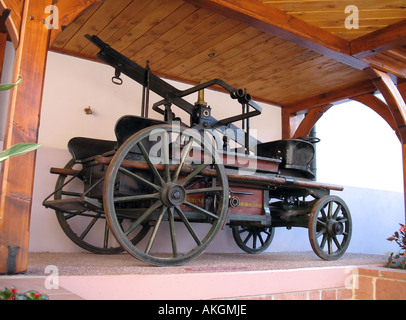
185 153
137 197
155 231
204 190
150 164
141 219
249 236
165 154
173 233
194 173
90 226
139 178
338 210
337 243
324 240
86 228
188 225
253 239
201 210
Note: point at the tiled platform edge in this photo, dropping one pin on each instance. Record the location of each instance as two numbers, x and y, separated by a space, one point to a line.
337 283
378 283
307 283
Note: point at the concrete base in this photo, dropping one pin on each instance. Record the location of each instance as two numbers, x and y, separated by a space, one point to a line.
211 276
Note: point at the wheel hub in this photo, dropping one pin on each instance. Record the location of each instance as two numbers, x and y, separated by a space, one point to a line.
335 227
173 194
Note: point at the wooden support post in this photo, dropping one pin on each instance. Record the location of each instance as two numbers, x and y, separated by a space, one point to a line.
310 120
397 107
22 126
299 125
290 122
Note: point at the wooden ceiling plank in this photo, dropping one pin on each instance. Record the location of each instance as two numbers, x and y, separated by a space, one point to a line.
379 41
334 5
220 28
340 15
153 14
271 20
295 71
276 76
118 23
324 13
67 34
288 87
168 42
105 13
184 41
207 54
68 11
283 52
291 97
170 15
210 69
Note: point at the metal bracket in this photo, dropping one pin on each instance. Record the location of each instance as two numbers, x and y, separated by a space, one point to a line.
12 259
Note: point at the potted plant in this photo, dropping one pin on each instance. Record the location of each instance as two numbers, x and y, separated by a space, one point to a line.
398 260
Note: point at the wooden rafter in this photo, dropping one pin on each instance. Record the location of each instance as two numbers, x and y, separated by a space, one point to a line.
393 99
381 40
379 107
330 97
310 120
14 18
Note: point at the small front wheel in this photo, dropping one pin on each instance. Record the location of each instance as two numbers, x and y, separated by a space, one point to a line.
330 227
253 239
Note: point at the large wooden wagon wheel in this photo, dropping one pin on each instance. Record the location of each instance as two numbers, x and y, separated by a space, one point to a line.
188 185
330 227
253 239
87 228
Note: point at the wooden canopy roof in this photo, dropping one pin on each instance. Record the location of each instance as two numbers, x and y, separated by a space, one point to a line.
284 52
298 54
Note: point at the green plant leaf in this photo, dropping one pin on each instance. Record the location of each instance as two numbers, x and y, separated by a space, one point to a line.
8 86
18 149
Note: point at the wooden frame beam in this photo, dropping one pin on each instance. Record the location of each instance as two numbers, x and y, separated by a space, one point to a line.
379 41
387 63
22 125
397 107
12 10
379 107
310 120
393 98
348 92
